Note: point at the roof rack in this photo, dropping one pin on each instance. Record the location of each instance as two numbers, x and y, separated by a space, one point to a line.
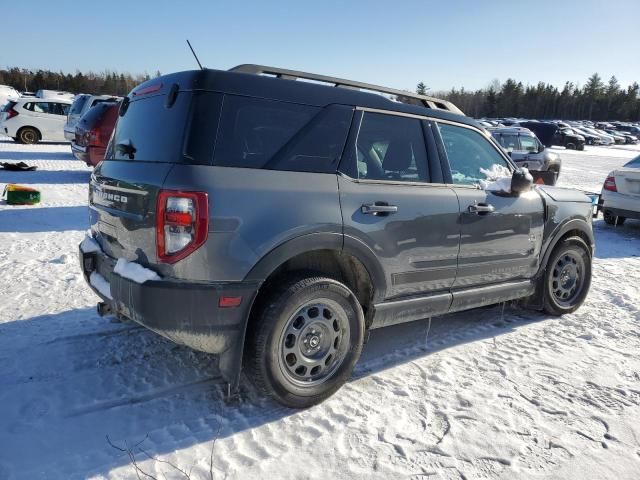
401 95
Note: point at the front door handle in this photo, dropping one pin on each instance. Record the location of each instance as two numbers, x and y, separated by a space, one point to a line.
481 208
378 208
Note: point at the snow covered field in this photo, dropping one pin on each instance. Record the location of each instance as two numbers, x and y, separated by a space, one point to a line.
486 394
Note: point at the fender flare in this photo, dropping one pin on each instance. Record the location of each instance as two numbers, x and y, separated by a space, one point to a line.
322 241
573 224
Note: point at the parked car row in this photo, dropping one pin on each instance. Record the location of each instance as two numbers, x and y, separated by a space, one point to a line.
54 116
574 134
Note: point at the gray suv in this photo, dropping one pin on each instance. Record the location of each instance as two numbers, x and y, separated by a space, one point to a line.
275 221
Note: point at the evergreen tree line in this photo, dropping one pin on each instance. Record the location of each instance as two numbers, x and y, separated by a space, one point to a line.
107 82
597 100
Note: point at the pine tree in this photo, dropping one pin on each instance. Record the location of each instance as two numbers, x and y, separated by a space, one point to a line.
421 89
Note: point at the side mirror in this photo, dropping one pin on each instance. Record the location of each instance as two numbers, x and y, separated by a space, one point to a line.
521 181
541 148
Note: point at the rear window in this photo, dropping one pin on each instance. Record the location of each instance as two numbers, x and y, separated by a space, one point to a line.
78 104
635 163
8 106
96 113
150 132
269 134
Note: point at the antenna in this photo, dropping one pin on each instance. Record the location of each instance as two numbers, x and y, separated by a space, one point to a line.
194 54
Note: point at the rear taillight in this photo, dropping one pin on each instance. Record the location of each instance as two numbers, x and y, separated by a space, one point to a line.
610 184
94 136
182 224
11 113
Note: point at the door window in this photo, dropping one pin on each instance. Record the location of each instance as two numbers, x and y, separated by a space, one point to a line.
472 158
509 141
391 147
529 144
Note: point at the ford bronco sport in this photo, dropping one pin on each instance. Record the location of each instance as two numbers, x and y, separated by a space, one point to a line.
274 221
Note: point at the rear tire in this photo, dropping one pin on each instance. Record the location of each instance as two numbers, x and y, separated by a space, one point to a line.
305 341
567 277
28 135
570 146
611 219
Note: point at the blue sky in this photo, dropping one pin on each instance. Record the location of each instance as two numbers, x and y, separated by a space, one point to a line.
395 43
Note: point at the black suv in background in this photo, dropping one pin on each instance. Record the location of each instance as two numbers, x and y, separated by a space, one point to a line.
250 214
550 134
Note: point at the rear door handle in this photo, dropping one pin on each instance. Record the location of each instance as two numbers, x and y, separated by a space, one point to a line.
481 208
378 208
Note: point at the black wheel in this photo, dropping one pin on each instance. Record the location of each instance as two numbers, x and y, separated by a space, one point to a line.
581 147
570 146
611 219
305 341
568 276
28 135
15 139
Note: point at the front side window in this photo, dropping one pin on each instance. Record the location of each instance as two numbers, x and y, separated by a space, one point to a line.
472 158
529 144
391 147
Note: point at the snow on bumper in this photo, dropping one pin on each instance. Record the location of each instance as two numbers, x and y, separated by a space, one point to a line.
186 312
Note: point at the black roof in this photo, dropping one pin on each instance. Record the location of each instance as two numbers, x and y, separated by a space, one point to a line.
295 91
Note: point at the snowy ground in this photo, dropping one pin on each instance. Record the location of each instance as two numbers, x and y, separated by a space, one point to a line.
487 394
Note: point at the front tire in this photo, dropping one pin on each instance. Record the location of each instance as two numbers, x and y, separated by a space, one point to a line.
567 277
305 341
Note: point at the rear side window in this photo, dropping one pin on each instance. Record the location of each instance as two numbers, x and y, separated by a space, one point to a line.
259 133
391 147
150 132
471 156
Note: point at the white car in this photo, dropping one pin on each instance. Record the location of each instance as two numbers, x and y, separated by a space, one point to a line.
7 93
81 105
30 119
605 138
620 197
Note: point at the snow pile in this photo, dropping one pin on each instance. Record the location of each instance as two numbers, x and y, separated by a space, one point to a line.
134 271
498 179
89 245
101 284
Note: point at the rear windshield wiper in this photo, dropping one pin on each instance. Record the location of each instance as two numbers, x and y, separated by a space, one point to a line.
126 148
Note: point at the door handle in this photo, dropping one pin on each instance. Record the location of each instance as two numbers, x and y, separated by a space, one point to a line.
378 208
481 208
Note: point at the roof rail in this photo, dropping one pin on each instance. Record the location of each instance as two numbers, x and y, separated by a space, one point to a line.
401 95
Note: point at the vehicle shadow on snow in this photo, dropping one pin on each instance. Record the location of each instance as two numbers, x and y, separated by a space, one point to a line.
45 177
118 379
44 219
619 241
36 155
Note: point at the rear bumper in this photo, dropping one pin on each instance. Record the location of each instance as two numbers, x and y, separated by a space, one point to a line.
79 152
184 312
70 135
619 202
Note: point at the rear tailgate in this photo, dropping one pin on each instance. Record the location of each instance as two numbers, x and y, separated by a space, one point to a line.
146 143
628 181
